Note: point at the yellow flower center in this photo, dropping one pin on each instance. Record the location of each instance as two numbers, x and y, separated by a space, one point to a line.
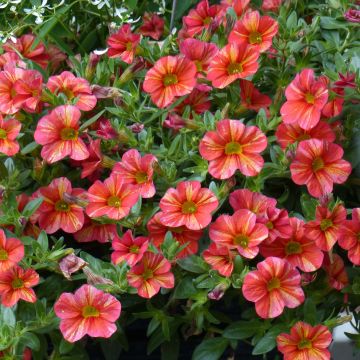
207 20
255 38
176 230
68 93
3 255
199 66
68 134
141 177
233 148
90 311
17 283
62 206
129 46
188 207
134 249
234 68
114 201
310 98
325 224
318 164
304 137
274 283
241 240
270 225
13 93
3 134
170 79
148 274
304 344
293 247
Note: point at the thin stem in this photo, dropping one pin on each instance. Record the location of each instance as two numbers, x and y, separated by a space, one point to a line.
173 14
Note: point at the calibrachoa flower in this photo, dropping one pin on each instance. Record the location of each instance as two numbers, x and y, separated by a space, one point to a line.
255 30
271 5
11 251
335 104
171 76
318 165
58 132
151 274
220 258
77 90
137 170
157 232
352 15
232 62
305 342
324 230
56 211
153 26
305 98
198 101
189 205
123 44
233 146
336 272
251 98
349 236
129 249
16 283
273 286
95 231
9 130
239 231
298 249
239 6
88 311
112 198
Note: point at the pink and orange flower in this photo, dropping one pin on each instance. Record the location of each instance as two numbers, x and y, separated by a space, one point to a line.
88 311
151 274
305 342
95 231
318 165
153 26
220 258
335 271
233 146
251 98
188 205
273 286
9 130
171 76
11 251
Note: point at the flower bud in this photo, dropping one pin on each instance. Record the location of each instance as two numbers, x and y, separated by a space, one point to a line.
71 264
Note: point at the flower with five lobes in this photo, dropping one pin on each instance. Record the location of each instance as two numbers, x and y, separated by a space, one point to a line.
305 98
254 30
318 165
153 26
305 342
234 61
151 274
171 76
112 198
252 98
60 208
239 231
233 146
220 258
88 311
188 205
16 283
273 286
335 270
9 130
58 132
11 251
129 249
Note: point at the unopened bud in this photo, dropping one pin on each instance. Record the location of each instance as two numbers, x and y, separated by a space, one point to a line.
94 279
218 292
71 264
91 65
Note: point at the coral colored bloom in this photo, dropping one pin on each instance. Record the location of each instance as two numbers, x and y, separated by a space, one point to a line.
151 274
335 104
112 198
199 52
252 98
253 201
190 238
171 76
271 5
11 58
25 46
233 146
153 26
129 249
123 44
324 230
11 252
298 249
234 61
239 6
94 163
16 283
349 237
254 30
58 132
346 80
198 101
88 311
305 342
239 231
77 90
287 134
336 272
9 130
188 205
94 231
305 98
318 165
57 211
273 286
137 170
220 258
352 15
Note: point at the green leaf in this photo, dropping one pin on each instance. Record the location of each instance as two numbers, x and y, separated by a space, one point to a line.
32 206
242 329
310 311
185 288
29 148
266 344
65 347
7 316
210 349
31 341
43 240
193 264
89 122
